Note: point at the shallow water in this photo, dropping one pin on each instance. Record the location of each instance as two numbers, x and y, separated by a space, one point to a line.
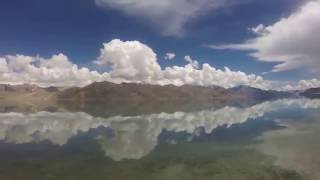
269 140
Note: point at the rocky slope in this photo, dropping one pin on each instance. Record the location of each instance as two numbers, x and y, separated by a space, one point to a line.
25 92
26 98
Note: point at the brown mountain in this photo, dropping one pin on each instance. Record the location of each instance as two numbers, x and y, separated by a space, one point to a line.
26 98
106 91
129 98
132 92
27 92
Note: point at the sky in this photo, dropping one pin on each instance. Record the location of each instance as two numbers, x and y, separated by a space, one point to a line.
270 44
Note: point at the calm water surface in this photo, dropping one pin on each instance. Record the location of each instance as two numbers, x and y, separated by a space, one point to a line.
270 140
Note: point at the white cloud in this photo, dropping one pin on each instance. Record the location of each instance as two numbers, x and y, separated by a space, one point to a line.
293 42
169 56
259 30
307 84
193 63
132 61
169 16
55 71
126 61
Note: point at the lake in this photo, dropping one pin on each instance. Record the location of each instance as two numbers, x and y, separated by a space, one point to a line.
267 140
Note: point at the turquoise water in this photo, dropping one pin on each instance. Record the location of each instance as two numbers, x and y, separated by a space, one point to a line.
268 140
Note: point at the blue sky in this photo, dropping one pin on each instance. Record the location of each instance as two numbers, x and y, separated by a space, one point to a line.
78 28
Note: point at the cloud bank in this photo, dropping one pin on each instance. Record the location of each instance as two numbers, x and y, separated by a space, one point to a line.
170 16
293 42
54 71
306 84
126 61
133 61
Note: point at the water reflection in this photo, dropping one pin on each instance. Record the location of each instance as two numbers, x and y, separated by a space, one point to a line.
296 147
133 137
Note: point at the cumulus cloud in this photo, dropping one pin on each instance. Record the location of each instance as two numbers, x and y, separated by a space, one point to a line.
55 71
306 84
193 63
169 56
126 61
293 42
169 16
132 61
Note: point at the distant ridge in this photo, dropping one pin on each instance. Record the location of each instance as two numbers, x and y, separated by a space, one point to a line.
259 94
106 91
312 93
106 98
133 92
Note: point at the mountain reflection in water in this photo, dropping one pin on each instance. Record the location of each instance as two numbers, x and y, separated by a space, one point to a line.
134 137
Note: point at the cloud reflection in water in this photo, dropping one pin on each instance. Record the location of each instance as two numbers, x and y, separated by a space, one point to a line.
134 136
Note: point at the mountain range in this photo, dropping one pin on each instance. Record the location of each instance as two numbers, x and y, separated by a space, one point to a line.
108 99
108 93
